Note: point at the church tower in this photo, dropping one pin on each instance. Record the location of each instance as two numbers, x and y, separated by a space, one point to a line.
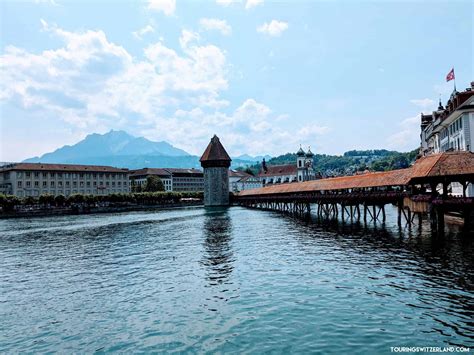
300 164
309 165
216 162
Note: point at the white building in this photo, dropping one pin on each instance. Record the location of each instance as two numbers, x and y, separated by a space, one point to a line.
174 179
450 128
35 179
279 174
240 180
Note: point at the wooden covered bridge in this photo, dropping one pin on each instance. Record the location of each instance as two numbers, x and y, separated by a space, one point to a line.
422 189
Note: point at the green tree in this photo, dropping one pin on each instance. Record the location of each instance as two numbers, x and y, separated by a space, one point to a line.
46 199
153 184
60 200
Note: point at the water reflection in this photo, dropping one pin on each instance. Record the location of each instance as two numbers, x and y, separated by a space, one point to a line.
443 265
218 257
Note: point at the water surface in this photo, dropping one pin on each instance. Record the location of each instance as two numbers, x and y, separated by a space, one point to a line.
230 280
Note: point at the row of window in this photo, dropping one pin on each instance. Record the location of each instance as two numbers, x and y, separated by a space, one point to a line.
68 183
37 174
452 129
36 193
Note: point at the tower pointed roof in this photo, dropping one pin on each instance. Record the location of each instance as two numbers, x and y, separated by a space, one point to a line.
309 153
300 152
215 154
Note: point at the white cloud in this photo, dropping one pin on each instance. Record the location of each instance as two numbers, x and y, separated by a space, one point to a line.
227 2
215 24
51 2
408 135
427 105
166 6
274 28
252 3
90 84
143 31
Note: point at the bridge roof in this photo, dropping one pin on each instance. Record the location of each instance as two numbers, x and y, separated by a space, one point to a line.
445 164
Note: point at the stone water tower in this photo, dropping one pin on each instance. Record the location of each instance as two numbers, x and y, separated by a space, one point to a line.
216 162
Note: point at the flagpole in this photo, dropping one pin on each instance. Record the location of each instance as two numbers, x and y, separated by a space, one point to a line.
454 79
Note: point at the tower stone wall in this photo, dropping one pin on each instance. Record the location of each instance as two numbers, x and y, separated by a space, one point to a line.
216 186
216 162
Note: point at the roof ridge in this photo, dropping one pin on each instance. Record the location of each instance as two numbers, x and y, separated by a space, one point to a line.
434 164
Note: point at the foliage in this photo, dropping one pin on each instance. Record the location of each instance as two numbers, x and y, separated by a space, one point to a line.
153 184
8 202
350 162
46 199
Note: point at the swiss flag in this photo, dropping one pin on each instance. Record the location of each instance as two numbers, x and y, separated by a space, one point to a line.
450 75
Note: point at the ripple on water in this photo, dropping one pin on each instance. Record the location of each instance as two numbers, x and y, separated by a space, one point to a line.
229 280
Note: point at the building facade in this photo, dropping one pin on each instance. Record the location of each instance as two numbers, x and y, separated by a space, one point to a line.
178 180
35 179
138 178
240 180
450 128
301 171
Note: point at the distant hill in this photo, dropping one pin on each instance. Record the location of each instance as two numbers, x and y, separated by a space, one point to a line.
120 149
247 157
350 162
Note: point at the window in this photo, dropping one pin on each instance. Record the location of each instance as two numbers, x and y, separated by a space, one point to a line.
74 175
45 175
28 183
19 174
74 183
60 175
95 183
36 183
67 183
52 174
113 183
107 183
28 174
81 176
19 183
60 183
81 184
88 183
67 175
45 184
52 184
37 174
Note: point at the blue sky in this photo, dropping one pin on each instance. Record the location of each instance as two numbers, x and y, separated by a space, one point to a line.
265 76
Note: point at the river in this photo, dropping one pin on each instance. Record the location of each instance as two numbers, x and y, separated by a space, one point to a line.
230 280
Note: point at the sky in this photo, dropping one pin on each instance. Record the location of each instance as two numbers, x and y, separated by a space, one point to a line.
264 76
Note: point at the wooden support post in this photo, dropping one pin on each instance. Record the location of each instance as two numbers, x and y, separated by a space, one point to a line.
440 219
399 218
365 213
374 215
383 214
409 216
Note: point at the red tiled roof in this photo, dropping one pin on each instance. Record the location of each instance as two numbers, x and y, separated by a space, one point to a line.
165 171
445 164
63 167
279 170
238 173
215 152
150 171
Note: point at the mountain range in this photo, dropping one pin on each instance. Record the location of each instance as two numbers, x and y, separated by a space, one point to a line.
120 149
